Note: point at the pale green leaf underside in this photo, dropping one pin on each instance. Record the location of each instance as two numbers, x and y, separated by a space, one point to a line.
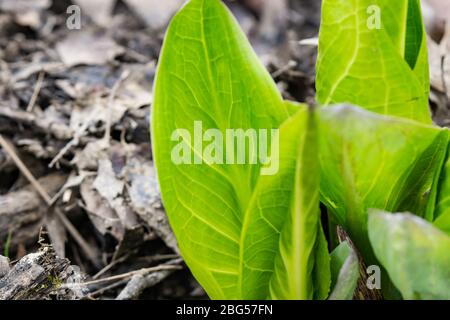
344 272
321 273
372 67
294 264
284 252
414 253
282 236
373 161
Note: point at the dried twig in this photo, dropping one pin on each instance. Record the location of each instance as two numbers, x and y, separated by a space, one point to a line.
10 151
36 91
107 288
112 96
290 65
72 143
111 265
90 253
132 273
81 131
58 130
139 282
21 211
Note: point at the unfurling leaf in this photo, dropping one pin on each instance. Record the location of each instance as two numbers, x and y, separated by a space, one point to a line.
344 272
298 223
282 239
414 253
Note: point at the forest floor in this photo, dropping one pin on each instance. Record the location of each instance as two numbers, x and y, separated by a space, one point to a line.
80 208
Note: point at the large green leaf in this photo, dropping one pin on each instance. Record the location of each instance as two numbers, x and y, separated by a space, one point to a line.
294 263
384 69
344 272
294 259
209 75
282 241
415 254
373 161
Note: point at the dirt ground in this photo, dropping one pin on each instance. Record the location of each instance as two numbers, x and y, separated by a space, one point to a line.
77 185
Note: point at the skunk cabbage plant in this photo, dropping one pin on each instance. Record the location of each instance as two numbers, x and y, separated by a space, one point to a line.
243 172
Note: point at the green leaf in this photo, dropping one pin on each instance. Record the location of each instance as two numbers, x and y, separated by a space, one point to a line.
442 214
384 69
338 257
402 20
344 272
443 222
373 161
293 107
282 240
297 224
321 273
415 35
208 72
208 79
414 253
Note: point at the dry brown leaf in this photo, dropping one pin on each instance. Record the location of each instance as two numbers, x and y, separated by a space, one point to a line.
100 213
111 189
19 6
87 159
87 48
100 11
155 13
146 199
446 60
441 8
57 233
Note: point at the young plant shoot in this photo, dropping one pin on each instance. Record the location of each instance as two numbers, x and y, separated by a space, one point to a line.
243 173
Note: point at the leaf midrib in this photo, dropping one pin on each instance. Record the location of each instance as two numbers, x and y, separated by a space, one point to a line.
403 30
